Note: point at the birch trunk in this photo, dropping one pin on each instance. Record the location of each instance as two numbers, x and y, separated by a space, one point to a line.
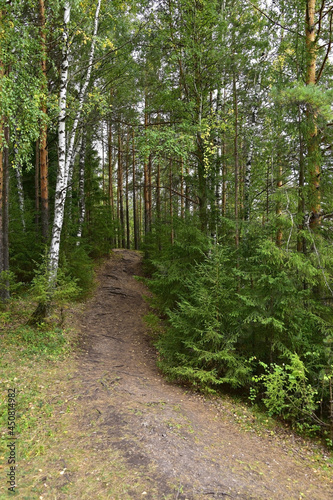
82 203
18 175
65 153
61 185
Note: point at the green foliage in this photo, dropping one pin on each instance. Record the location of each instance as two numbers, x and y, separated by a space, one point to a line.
170 264
153 323
20 87
25 245
46 340
277 296
81 267
167 141
317 98
101 232
201 343
8 282
66 287
234 313
287 390
227 121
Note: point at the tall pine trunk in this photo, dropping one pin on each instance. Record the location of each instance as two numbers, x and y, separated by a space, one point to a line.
120 194
128 239
37 204
135 218
110 168
312 131
146 179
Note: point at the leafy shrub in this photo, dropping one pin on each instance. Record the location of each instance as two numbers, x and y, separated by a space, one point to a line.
288 391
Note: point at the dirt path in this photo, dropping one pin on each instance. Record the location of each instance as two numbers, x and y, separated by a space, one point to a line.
174 444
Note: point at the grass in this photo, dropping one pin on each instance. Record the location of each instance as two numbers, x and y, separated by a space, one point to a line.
55 455
30 360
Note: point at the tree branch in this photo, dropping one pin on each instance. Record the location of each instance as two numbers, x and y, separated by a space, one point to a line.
327 52
320 18
273 21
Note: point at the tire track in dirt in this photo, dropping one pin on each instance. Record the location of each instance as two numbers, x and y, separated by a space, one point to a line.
174 439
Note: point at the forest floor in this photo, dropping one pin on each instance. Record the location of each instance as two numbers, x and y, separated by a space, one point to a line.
119 430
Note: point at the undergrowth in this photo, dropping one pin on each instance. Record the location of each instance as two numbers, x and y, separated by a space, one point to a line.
26 353
250 320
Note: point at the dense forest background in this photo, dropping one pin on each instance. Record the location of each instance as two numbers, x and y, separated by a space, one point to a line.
200 132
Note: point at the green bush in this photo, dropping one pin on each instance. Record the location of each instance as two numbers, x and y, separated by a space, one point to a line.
170 264
200 344
65 289
232 312
287 391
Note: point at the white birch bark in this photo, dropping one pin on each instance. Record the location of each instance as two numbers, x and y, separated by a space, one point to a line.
248 166
66 153
61 185
71 143
82 203
69 193
248 169
18 174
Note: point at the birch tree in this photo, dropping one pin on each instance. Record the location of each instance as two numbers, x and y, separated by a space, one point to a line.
82 202
66 139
